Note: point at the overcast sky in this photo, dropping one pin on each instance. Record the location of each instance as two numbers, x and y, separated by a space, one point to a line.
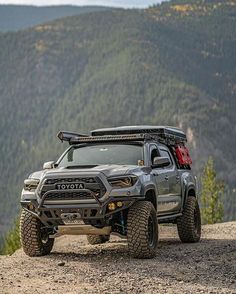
116 3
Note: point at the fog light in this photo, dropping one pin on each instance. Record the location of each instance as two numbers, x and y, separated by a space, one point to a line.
119 204
30 206
112 206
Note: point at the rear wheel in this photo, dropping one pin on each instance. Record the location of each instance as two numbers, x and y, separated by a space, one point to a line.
189 224
142 230
34 236
97 239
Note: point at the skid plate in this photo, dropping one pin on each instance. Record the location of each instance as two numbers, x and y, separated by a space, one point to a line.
83 230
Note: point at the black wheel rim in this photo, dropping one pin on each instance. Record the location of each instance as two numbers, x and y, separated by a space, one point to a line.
150 231
44 236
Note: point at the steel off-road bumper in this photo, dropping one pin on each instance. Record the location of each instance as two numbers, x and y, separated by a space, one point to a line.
51 215
64 229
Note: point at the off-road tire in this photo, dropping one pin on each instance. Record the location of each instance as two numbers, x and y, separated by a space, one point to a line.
97 239
189 224
32 236
142 230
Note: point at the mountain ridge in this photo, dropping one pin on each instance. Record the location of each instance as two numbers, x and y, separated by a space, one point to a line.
118 67
18 17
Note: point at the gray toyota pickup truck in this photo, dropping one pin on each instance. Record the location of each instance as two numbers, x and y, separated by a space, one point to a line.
123 181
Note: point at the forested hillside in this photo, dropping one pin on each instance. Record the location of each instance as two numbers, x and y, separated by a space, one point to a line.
14 17
172 64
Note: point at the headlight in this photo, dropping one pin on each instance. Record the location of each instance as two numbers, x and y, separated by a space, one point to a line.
31 184
123 182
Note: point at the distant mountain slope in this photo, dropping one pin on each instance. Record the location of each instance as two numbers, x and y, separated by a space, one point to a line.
173 64
16 17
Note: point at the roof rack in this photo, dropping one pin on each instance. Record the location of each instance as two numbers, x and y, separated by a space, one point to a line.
165 135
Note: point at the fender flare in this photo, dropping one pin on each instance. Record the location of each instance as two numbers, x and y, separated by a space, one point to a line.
188 187
150 187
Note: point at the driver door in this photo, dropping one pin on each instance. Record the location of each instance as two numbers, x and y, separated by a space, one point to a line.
160 177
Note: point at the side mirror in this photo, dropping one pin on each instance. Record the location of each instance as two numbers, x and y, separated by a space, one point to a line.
48 165
160 162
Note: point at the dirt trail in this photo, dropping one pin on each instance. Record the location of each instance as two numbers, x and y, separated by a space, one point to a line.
206 267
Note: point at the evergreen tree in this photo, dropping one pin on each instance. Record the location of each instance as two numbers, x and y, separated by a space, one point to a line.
12 240
212 210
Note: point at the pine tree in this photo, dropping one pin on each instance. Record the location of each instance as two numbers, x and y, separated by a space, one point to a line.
212 209
12 240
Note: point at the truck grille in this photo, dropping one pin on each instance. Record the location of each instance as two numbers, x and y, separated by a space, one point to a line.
68 196
70 180
93 185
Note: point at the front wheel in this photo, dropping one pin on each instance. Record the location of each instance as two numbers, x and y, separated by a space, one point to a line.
189 224
34 237
142 230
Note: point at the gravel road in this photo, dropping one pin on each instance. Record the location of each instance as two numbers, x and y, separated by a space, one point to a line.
76 267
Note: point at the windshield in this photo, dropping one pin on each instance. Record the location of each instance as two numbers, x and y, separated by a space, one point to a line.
122 154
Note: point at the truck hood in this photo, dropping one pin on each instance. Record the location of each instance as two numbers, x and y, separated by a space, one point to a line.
107 170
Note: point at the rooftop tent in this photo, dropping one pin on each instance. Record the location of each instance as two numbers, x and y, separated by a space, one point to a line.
162 131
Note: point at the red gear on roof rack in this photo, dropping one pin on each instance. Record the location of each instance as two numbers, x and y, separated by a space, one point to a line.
183 155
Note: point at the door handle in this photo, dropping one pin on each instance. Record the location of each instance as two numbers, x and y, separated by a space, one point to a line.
166 178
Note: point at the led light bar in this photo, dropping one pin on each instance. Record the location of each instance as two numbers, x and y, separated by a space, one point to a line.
67 136
77 140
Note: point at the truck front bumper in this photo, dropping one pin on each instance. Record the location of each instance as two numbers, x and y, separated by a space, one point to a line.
51 215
